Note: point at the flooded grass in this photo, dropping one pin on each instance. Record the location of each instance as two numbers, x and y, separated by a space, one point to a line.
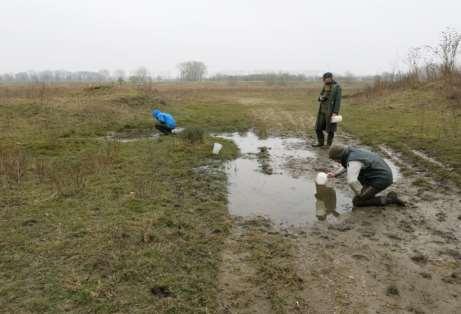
137 135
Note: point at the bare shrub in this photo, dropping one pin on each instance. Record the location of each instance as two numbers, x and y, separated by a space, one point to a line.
68 177
107 155
41 169
447 50
13 165
425 63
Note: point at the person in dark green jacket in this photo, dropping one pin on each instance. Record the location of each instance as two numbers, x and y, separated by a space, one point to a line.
330 104
367 175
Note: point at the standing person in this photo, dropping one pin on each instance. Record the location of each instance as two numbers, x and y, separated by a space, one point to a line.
165 122
367 175
330 104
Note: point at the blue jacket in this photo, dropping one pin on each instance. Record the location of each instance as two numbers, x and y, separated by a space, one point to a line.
164 118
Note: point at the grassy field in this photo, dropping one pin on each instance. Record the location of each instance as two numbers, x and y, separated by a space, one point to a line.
89 224
424 118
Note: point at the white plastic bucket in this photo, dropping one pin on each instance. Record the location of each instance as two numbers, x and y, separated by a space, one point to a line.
336 119
321 178
217 148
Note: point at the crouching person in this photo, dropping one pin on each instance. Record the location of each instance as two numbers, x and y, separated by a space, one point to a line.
367 175
165 122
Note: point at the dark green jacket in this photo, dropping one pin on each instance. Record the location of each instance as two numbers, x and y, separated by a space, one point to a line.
375 173
334 106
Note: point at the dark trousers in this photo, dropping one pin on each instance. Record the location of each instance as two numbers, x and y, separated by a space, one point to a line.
368 197
323 125
163 128
321 137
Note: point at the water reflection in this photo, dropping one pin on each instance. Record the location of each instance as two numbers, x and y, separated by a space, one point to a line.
325 202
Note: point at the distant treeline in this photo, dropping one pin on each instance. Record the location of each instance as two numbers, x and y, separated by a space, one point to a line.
262 77
282 77
55 76
141 76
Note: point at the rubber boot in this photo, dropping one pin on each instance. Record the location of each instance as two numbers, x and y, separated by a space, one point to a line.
392 198
374 201
320 139
330 138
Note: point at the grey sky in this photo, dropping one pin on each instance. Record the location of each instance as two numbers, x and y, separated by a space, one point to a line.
362 36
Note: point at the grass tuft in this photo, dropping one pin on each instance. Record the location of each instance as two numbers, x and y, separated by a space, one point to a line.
193 135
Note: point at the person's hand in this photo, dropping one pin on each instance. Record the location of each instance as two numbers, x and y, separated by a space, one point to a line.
330 174
334 114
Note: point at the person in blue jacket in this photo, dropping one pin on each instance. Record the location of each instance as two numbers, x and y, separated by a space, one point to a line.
165 122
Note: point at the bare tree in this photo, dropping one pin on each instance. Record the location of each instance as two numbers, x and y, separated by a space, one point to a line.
22 77
140 76
104 74
414 62
448 49
192 70
119 74
46 76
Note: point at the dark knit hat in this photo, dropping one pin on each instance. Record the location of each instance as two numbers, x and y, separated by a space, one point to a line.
337 151
327 75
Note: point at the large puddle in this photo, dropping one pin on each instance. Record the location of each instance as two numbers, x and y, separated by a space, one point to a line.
262 182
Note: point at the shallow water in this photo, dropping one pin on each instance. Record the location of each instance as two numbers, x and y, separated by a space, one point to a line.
136 135
284 199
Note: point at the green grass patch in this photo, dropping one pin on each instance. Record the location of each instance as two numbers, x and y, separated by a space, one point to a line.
417 119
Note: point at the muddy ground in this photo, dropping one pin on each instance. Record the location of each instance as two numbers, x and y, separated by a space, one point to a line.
370 260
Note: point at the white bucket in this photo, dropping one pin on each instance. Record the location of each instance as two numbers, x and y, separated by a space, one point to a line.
217 148
321 178
336 119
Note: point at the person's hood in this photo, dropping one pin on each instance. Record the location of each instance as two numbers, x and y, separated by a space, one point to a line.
155 112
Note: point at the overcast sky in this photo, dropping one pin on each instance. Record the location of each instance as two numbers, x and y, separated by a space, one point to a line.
361 36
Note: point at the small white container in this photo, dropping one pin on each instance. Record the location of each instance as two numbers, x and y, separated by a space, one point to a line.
321 178
217 148
336 119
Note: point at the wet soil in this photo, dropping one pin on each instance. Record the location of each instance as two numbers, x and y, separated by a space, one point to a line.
369 260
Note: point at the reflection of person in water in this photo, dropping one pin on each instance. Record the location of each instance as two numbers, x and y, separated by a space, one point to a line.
325 202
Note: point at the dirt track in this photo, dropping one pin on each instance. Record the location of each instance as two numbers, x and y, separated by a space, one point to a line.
372 260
